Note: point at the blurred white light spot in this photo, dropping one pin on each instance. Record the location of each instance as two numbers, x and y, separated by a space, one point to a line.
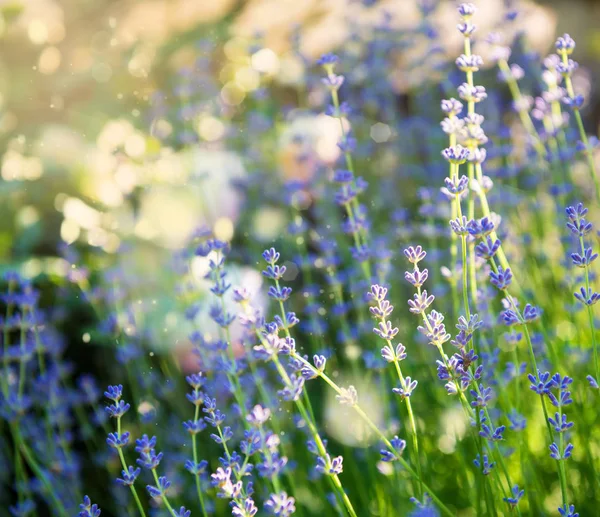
265 61
380 132
111 243
37 32
161 128
126 177
145 230
454 424
210 128
341 420
27 216
49 60
109 193
247 79
232 94
291 71
85 216
59 201
329 134
385 467
291 271
97 237
32 268
135 145
200 267
223 229
268 223
15 166
86 338
113 134
146 409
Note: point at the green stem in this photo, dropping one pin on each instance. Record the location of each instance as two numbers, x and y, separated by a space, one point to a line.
195 456
367 420
162 494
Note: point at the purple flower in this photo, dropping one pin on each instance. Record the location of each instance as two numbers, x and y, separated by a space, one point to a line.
390 354
114 393
568 512
259 415
129 476
565 44
245 509
556 454
530 313
118 410
118 441
470 63
451 107
457 185
472 93
540 384
328 59
487 248
559 422
398 448
585 259
160 489
271 256
416 277
466 28
587 296
294 390
194 426
415 255
420 302
385 330
281 505
87 509
456 154
485 466
459 225
407 389
333 81
502 279
466 10
516 496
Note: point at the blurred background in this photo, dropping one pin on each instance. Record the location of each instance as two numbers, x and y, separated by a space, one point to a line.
125 125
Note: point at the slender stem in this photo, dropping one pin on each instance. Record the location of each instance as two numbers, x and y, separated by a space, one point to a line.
125 469
360 237
365 418
163 496
195 456
413 425
581 128
590 311
338 488
37 470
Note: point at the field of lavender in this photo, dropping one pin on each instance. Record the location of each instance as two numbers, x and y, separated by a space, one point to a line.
379 300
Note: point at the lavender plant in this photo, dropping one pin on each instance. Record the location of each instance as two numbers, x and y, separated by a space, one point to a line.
280 397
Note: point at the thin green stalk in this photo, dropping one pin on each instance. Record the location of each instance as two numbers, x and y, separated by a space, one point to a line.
367 420
413 425
163 496
581 128
37 470
590 311
338 488
195 456
125 467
